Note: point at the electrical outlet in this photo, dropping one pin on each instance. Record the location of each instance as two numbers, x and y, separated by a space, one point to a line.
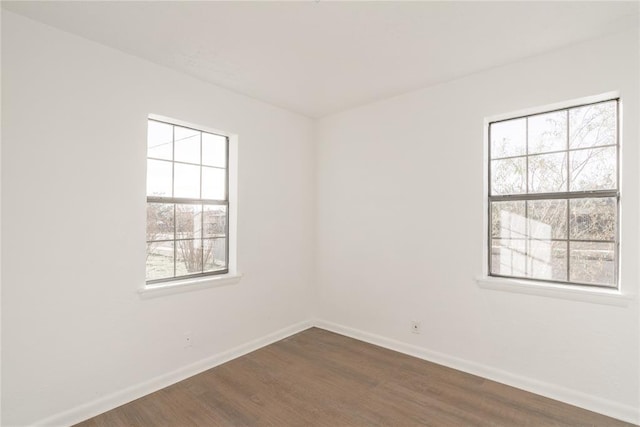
188 340
415 327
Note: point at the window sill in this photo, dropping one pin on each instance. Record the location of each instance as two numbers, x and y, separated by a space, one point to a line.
188 285
575 293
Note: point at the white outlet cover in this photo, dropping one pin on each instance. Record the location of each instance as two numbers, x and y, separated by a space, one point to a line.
188 339
415 327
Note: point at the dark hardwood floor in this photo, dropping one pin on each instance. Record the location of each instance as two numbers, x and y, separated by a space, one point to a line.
318 378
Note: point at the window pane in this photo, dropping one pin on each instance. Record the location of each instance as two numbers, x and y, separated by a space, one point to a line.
187 181
593 125
547 219
593 219
187 166
508 257
593 169
187 145
508 176
547 260
548 173
508 219
160 140
215 221
188 257
508 138
159 260
159 221
215 254
592 263
188 221
548 132
563 239
214 150
214 183
159 178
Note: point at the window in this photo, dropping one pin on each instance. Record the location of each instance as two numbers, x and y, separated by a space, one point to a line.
187 202
554 196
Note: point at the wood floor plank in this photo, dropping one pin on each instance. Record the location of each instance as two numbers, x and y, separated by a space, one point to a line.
318 378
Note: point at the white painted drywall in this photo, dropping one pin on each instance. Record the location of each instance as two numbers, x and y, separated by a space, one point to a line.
74 117
400 227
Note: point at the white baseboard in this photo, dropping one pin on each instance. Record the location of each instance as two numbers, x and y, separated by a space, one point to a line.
106 403
552 391
563 394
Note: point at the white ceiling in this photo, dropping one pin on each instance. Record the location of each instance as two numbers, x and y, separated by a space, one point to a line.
318 57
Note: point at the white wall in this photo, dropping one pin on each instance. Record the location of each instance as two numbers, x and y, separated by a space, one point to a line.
73 186
400 231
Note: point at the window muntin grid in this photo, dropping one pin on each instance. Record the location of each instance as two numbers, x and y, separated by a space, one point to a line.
187 202
572 165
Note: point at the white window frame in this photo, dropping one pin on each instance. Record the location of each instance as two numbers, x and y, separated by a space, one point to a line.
586 293
201 281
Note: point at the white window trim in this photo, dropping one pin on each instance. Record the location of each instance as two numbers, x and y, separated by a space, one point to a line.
204 282
615 297
188 285
553 290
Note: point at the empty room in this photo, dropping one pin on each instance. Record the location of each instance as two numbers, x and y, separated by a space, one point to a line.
319 213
